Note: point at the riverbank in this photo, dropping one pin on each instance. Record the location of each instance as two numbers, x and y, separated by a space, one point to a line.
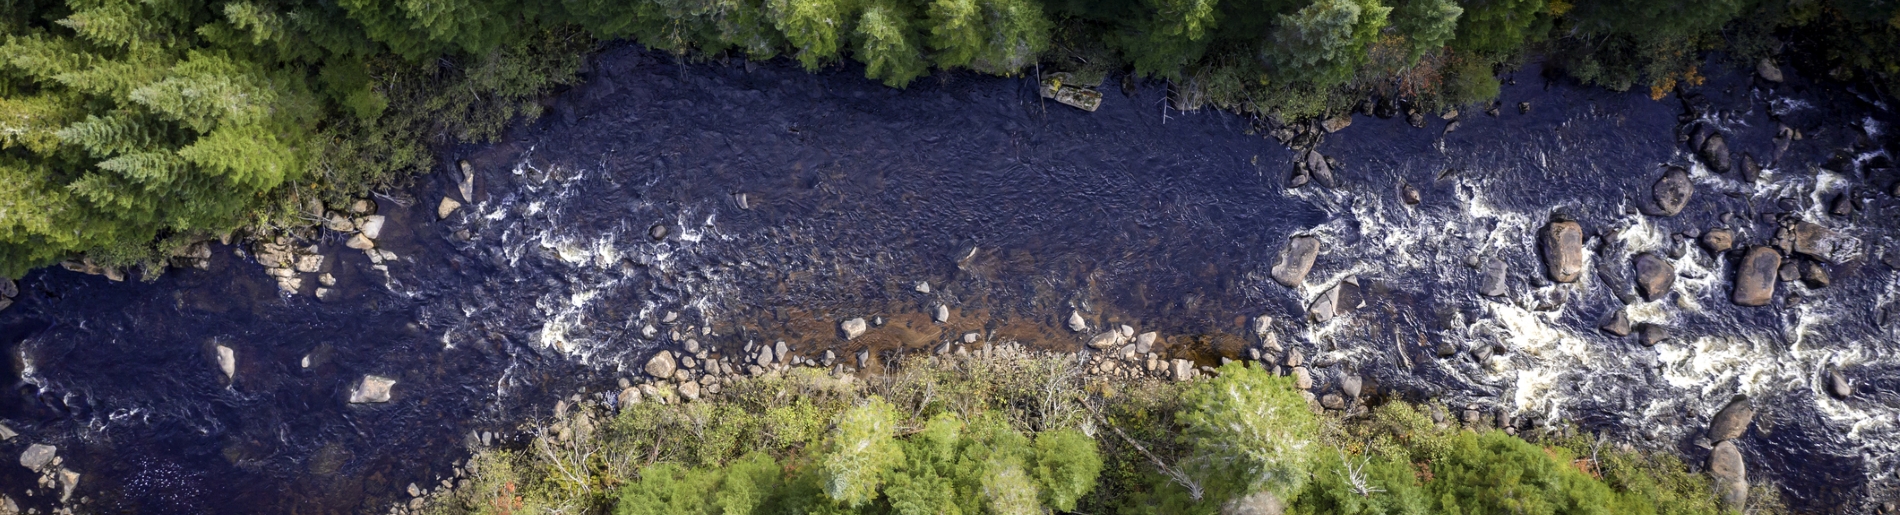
1135 443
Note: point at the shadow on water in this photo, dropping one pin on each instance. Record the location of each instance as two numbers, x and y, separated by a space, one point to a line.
784 202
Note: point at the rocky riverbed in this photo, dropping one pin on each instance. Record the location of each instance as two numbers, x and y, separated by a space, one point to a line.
1566 256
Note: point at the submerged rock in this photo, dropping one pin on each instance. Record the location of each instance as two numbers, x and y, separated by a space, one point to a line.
1733 420
1755 277
1295 261
1562 246
1751 170
372 388
1654 275
1408 194
1491 278
1672 191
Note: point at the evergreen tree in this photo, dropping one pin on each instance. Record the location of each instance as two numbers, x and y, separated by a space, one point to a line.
1326 41
861 453
886 45
812 27
1427 25
1170 35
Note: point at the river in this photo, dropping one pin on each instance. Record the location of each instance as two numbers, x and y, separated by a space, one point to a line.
788 201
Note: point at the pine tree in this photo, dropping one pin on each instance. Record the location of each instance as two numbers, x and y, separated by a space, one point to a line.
1326 41
1171 35
812 27
886 45
1427 25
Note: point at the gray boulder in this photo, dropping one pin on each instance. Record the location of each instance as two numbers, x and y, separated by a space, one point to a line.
1673 190
1714 153
1751 169
1821 243
1837 384
8 288
1491 278
1076 323
38 456
943 313
371 389
1319 169
1730 475
1325 306
1653 334
661 365
1654 275
1717 241
1733 420
1767 70
1618 324
1562 246
853 328
1295 261
1755 277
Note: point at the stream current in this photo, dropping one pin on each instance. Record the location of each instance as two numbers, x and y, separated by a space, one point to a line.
788 201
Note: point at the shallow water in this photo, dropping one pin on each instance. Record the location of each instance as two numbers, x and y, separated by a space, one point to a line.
792 201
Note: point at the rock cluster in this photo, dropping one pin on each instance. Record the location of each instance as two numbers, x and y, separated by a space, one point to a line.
1725 461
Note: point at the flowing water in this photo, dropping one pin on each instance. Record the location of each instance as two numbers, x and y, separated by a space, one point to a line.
787 202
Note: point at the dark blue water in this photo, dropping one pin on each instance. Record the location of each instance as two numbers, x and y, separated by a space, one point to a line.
1016 211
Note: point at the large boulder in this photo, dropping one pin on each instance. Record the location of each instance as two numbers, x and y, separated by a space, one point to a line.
38 456
1672 191
1076 323
372 388
372 226
661 365
1728 471
1295 261
1733 420
1755 277
1815 241
1767 70
1562 246
1654 275
853 328
8 288
1107 340
1324 307
1319 169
